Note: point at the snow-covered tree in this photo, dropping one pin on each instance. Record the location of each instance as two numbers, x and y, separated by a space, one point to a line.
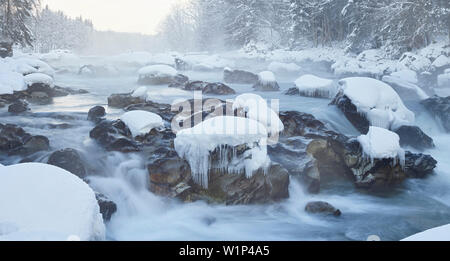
15 17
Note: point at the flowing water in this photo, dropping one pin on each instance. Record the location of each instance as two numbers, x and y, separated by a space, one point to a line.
413 207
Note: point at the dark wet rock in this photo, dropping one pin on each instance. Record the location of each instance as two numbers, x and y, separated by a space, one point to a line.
413 136
70 160
263 86
239 77
107 206
218 89
96 114
419 165
40 98
195 85
293 91
15 141
123 100
182 65
351 113
162 109
300 124
40 87
114 136
6 49
19 106
179 81
440 108
321 207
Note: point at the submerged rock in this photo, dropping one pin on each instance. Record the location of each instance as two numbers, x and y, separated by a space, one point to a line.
440 108
321 207
70 160
15 141
239 77
413 136
40 98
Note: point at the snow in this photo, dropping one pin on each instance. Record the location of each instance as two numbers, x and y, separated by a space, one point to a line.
141 122
266 77
444 79
380 143
435 234
159 70
62 60
207 62
414 62
197 143
140 92
381 105
441 61
40 66
33 78
311 85
406 79
10 81
44 202
283 67
258 109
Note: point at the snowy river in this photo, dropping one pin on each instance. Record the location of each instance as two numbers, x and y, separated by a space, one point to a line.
415 206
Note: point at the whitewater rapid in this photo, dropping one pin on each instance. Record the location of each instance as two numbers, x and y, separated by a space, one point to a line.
413 207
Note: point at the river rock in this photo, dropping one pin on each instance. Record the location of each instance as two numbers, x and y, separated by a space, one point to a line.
413 136
440 108
70 160
419 165
6 49
293 91
19 106
195 85
114 136
40 98
179 81
321 207
107 206
123 100
96 114
239 77
350 111
218 89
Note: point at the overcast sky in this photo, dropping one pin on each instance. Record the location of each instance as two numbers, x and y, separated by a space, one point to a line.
142 16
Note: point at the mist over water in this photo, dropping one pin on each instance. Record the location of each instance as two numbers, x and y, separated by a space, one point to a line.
412 207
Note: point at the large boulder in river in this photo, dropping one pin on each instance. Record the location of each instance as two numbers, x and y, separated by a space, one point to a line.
413 136
440 108
70 160
239 77
114 136
419 165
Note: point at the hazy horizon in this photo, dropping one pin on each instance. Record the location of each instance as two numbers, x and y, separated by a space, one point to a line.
131 16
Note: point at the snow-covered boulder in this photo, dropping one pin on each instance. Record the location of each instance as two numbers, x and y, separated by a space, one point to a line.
441 62
224 133
380 143
11 81
256 108
141 122
266 82
313 86
435 234
239 77
369 102
38 65
284 68
414 62
405 83
44 202
38 78
157 74
444 79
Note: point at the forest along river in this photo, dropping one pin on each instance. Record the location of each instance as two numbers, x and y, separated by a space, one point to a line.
413 207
